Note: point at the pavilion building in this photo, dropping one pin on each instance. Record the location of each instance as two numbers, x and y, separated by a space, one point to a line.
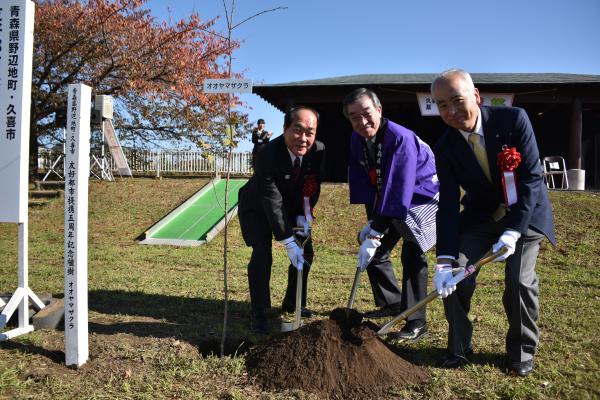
564 110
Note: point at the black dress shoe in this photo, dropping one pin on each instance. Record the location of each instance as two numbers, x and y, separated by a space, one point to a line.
304 312
454 361
520 368
259 324
412 331
385 311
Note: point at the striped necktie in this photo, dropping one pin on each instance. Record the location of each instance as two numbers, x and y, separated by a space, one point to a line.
480 154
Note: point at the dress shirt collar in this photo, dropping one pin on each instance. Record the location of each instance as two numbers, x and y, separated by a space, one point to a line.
293 156
478 128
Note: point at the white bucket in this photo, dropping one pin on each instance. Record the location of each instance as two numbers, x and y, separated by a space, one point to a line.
576 178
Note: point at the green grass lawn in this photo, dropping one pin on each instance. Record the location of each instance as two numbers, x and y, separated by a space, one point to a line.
156 312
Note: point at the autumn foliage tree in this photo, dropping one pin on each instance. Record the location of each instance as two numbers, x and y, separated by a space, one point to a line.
153 69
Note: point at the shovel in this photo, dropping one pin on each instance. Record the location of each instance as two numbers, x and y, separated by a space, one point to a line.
292 326
356 281
459 277
298 314
354 287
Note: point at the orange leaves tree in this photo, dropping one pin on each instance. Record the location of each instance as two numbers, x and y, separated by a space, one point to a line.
153 69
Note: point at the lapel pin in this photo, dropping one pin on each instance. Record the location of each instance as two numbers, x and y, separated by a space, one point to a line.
286 177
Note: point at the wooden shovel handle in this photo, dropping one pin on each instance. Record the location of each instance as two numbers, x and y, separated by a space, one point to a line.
489 256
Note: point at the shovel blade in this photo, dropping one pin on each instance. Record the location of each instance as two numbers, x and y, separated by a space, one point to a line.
287 326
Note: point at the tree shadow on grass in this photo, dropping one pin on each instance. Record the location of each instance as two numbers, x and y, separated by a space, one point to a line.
56 356
197 321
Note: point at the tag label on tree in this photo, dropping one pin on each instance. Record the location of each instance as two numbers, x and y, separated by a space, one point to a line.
227 86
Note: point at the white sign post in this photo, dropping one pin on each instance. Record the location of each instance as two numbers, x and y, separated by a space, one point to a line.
77 171
16 53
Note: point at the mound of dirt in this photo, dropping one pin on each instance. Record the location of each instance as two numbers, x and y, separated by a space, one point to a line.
340 358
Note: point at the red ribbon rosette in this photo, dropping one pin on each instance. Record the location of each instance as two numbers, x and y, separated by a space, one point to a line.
308 190
508 160
310 186
373 176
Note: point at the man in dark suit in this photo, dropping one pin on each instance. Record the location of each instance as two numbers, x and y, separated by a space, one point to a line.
280 196
496 213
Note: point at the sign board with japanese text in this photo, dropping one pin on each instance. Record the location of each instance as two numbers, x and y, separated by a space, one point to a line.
227 86
16 49
428 107
77 172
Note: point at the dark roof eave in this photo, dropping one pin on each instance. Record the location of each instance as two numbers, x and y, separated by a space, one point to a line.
426 79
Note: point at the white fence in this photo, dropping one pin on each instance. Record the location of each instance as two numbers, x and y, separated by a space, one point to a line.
161 161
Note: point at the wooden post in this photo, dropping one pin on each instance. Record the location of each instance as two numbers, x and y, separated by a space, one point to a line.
77 172
574 157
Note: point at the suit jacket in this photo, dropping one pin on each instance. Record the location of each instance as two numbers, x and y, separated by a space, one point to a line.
409 187
272 195
457 167
259 140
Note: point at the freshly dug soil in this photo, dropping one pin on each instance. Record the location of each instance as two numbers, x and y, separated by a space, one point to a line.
341 358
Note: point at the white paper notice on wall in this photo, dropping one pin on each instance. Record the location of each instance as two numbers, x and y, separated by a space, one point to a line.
16 47
429 108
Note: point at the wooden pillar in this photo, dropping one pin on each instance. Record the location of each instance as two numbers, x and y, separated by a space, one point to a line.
574 156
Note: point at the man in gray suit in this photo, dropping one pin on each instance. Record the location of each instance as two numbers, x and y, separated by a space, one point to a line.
495 214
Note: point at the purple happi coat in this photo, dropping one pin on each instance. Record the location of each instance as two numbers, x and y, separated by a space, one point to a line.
409 190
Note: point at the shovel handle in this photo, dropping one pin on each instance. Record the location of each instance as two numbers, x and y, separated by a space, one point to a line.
354 288
299 241
470 270
298 314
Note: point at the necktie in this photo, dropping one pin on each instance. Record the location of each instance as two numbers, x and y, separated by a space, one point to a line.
480 154
371 150
296 169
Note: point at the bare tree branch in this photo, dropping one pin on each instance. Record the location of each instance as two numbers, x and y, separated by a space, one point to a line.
257 14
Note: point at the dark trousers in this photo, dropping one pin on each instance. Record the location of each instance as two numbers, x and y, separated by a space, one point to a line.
520 298
259 268
255 150
414 271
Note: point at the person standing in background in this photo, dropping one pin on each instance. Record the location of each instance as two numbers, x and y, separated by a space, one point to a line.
260 137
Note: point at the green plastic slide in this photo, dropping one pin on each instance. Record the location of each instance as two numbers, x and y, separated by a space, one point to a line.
198 219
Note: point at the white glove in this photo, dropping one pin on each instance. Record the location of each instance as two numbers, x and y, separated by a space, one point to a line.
302 223
442 280
368 248
294 252
509 240
362 235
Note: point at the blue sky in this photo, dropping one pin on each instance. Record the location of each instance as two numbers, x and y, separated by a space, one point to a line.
314 39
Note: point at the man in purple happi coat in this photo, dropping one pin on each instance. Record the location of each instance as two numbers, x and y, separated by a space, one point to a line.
392 172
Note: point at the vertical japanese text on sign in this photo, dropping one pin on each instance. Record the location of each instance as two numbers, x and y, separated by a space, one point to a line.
76 223
16 53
